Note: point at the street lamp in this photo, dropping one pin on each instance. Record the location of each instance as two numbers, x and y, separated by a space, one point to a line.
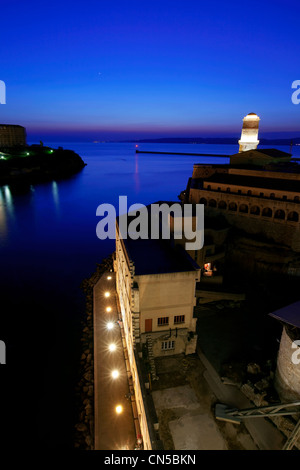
115 374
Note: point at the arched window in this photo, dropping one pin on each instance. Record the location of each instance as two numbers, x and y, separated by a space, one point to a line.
232 206
212 203
279 214
249 192
293 216
203 201
222 205
267 212
296 198
272 196
243 208
255 210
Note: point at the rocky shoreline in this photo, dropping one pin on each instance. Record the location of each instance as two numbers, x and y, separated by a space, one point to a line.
84 428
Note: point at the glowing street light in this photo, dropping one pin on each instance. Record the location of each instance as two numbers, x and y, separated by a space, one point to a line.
112 347
108 309
109 278
119 409
107 294
110 325
115 374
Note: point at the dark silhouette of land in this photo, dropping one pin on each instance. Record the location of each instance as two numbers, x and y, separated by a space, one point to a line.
37 163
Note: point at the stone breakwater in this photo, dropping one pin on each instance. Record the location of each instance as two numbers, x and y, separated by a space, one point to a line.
84 428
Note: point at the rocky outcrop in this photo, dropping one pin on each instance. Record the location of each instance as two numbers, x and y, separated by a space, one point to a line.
38 163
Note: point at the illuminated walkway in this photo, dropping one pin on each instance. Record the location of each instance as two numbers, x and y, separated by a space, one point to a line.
113 430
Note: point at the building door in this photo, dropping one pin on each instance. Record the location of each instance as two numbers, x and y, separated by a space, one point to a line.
148 325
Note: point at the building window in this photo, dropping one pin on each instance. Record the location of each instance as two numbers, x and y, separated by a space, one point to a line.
243 208
162 321
178 319
293 216
165 345
267 212
222 205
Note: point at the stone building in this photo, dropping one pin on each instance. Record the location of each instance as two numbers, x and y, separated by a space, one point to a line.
258 192
156 290
12 136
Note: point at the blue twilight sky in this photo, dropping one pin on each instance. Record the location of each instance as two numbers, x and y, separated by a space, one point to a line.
134 69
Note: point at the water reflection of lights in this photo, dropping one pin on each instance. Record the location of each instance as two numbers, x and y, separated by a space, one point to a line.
55 195
6 210
136 173
3 223
8 201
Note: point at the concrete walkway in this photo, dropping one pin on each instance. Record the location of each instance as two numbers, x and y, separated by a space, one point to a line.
113 431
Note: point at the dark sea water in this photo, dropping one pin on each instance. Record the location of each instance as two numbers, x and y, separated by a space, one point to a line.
48 245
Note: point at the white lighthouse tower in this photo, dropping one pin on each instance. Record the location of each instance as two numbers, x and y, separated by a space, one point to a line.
249 138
